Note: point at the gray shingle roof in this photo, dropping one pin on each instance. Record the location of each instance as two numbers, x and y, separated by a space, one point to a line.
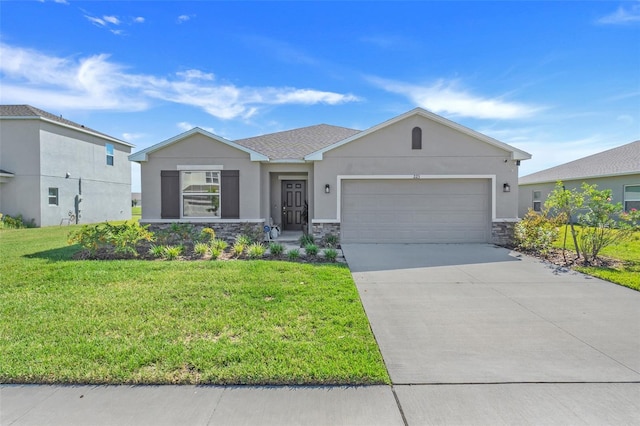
30 111
295 144
622 160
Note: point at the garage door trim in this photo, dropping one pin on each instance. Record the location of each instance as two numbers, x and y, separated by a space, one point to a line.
414 177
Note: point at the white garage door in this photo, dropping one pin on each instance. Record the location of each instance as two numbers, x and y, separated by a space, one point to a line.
416 211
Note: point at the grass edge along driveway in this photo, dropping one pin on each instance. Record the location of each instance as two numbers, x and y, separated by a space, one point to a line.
160 322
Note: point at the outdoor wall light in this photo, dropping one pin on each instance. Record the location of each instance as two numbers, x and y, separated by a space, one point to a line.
68 175
327 188
506 188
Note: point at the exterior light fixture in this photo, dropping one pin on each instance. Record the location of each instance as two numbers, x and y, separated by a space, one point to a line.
506 188
327 188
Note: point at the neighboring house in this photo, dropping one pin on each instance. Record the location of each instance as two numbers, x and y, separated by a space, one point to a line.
136 198
617 169
53 169
415 178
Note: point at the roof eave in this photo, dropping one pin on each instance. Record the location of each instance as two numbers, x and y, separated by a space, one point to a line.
142 156
608 175
516 154
79 129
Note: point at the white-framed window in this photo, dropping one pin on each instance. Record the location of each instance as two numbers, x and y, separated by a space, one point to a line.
631 197
200 193
109 150
53 196
537 201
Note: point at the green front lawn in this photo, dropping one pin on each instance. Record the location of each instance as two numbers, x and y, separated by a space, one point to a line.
236 322
136 212
627 252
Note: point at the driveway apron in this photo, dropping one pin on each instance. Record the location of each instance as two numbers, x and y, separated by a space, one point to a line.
455 313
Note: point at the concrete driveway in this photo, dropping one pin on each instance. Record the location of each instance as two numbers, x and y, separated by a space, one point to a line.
477 314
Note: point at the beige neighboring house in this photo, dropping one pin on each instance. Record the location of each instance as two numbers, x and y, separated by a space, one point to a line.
617 169
55 171
416 178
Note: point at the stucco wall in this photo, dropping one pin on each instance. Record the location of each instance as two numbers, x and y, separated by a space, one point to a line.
388 152
40 154
615 184
105 191
19 154
200 150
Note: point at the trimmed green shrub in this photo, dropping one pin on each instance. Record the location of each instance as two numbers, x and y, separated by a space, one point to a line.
536 232
201 249
276 249
293 254
306 239
311 249
331 254
121 239
255 251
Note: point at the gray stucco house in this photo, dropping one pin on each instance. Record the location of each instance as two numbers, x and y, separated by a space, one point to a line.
51 167
417 177
617 169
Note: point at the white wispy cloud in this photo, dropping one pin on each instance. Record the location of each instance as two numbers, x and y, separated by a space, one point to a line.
95 82
112 22
185 18
130 137
186 126
622 15
447 97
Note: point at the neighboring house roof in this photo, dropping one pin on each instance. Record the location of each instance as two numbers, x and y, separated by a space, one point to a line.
516 154
297 143
622 160
30 112
144 154
5 173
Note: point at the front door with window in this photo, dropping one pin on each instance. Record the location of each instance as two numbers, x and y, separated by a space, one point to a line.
294 195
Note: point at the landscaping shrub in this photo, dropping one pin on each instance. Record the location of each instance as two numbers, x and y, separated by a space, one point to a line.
306 239
119 239
276 249
215 253
173 252
156 251
330 241
331 254
311 249
255 251
243 239
206 235
536 232
201 249
219 245
16 222
293 254
238 249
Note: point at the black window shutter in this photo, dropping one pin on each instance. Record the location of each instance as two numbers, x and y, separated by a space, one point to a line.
230 194
170 194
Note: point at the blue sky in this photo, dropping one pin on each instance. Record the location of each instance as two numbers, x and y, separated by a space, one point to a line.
560 80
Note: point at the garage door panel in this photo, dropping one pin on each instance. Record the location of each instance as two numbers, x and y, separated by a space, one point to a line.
430 211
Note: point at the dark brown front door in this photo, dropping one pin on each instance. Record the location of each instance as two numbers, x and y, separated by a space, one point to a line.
294 195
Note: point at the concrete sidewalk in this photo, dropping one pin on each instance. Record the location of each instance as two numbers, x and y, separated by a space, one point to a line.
197 405
471 404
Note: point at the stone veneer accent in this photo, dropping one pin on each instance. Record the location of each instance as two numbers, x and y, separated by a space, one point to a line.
502 233
224 230
320 230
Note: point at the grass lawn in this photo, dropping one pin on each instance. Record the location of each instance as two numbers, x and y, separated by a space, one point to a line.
628 252
236 322
136 212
